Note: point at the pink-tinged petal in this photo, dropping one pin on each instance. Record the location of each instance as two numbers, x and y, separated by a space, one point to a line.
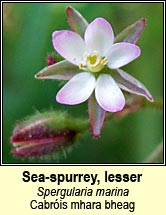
122 54
132 85
69 45
108 94
77 90
99 36
96 116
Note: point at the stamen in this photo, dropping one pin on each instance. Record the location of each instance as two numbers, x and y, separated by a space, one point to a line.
104 61
81 66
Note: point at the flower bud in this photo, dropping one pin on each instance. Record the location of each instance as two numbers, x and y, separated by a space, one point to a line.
50 59
45 133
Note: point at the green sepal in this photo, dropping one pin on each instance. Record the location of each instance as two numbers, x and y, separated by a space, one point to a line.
76 21
132 33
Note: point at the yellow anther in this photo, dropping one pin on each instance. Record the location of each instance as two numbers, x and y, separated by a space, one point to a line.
104 61
81 66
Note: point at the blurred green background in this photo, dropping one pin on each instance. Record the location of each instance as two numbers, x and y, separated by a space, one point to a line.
27 30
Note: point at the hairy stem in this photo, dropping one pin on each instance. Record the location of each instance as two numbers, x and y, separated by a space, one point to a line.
135 104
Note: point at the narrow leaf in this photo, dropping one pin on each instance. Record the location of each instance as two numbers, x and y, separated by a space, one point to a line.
76 21
96 116
132 33
63 70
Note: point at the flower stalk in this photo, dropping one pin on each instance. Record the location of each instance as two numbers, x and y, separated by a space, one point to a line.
156 155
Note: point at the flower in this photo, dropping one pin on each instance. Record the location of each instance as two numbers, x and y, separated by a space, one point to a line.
97 58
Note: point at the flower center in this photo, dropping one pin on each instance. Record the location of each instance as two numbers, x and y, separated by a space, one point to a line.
94 62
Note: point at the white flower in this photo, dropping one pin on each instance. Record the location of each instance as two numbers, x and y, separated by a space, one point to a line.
92 56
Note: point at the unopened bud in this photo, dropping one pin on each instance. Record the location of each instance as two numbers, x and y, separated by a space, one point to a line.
50 59
45 133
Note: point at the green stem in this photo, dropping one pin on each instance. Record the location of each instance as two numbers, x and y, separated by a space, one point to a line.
135 104
155 155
